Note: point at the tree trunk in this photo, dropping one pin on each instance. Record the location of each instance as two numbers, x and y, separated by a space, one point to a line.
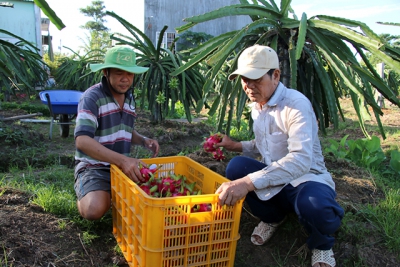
285 65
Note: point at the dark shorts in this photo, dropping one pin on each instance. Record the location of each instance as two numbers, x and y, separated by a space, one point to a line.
92 179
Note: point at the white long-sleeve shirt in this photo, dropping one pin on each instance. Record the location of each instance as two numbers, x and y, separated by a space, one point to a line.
286 138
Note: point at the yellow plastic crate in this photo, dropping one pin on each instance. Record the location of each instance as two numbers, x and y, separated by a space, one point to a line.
163 232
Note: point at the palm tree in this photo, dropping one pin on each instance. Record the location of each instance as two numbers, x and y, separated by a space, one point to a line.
317 58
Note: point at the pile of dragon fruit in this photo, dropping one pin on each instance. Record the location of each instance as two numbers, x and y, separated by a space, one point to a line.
174 185
209 146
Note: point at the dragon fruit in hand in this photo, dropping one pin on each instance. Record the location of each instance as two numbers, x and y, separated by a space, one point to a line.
148 172
209 146
209 143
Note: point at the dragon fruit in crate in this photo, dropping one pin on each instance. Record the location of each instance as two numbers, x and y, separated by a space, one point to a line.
209 146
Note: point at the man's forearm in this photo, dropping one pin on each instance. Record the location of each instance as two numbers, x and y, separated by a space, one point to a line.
97 151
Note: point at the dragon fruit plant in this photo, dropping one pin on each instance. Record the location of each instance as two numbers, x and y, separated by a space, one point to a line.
209 146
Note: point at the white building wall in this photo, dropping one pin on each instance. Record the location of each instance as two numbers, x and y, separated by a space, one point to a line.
22 20
158 13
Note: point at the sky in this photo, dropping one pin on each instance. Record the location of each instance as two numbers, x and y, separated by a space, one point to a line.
68 11
367 11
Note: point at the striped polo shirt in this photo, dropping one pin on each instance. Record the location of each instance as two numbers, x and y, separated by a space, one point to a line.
100 117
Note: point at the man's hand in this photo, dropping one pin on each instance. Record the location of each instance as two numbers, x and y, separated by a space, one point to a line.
152 145
229 144
232 192
130 166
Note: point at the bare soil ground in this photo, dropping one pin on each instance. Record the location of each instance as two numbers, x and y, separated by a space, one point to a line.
31 237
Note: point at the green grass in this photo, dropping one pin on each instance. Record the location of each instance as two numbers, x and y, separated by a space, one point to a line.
386 216
52 188
4 261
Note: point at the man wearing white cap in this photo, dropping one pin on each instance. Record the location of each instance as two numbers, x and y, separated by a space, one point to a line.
291 175
105 131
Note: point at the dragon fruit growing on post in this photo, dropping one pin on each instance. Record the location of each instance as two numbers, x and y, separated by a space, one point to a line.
209 146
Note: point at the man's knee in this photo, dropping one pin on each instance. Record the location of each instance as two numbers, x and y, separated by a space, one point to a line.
94 206
324 217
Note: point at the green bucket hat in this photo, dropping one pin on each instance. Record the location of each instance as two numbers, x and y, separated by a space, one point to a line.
119 57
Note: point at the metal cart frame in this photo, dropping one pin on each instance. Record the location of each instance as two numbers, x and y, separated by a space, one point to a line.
63 107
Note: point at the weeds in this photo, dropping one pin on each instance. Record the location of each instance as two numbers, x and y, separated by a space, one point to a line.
62 224
4 262
26 106
87 238
56 201
365 152
385 217
13 136
395 161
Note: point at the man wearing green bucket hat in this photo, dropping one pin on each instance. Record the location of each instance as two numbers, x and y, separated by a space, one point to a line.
105 132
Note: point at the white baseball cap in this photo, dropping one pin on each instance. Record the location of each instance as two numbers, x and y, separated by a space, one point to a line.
255 61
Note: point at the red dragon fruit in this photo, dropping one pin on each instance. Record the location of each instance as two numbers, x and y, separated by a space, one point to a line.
168 185
173 185
209 143
218 154
201 207
148 189
148 172
209 146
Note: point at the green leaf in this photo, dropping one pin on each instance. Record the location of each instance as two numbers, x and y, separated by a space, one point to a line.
8 44
350 23
395 160
42 4
135 32
274 5
265 3
367 42
337 65
233 10
373 145
285 5
302 36
357 103
209 45
160 39
198 58
326 85
227 48
289 23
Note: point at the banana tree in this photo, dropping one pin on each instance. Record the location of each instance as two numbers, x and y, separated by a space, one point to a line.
155 84
317 58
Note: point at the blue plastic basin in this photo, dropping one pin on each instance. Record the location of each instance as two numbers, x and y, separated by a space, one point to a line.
62 101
